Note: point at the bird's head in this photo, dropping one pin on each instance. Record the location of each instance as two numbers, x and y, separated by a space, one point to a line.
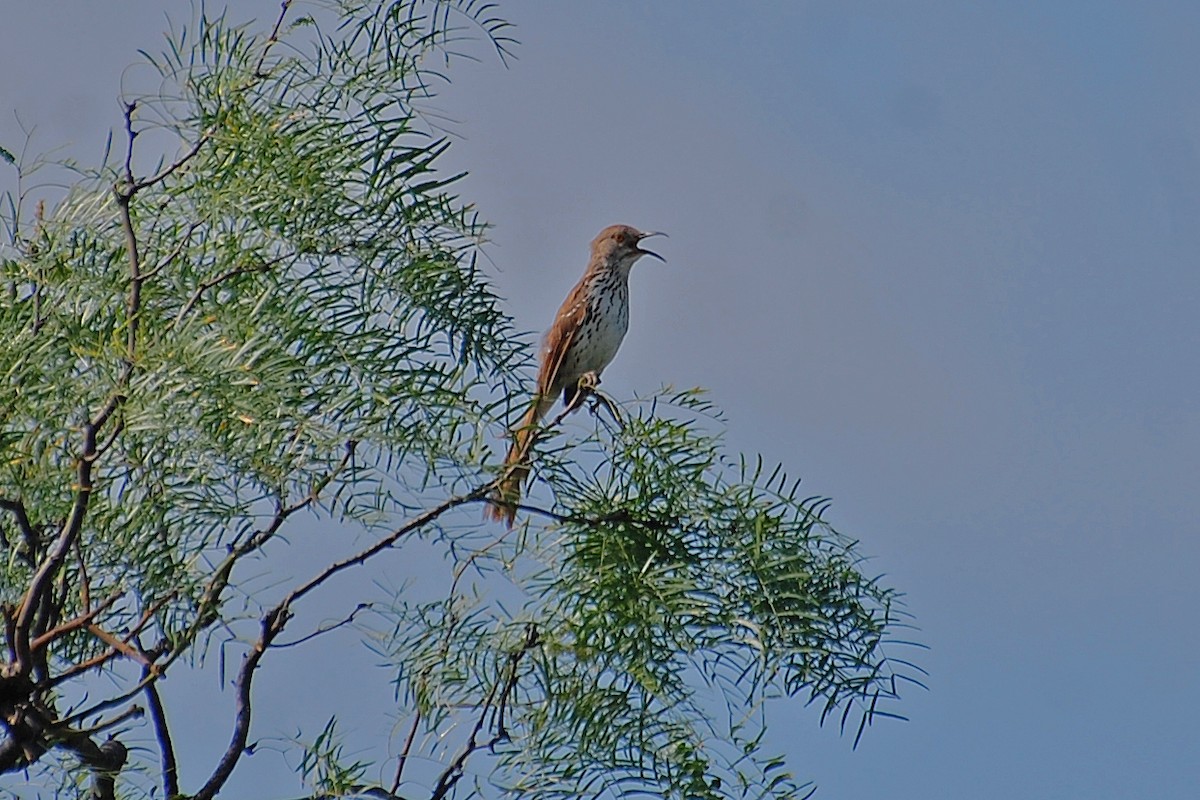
619 244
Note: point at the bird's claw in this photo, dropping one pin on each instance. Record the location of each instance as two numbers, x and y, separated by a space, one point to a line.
585 387
586 391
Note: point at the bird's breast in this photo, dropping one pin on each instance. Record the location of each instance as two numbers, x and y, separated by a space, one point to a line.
601 331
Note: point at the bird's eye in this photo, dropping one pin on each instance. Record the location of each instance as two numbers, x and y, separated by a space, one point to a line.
621 238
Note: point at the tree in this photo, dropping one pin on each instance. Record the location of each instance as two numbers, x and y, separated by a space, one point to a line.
259 330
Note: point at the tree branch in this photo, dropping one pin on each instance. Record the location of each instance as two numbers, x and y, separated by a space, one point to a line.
40 584
388 541
41 581
274 621
28 532
116 649
166 749
174 254
136 186
272 624
404 751
216 584
532 640
224 276
272 39
454 772
103 760
82 621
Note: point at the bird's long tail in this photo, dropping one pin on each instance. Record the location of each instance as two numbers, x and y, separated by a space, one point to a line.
503 501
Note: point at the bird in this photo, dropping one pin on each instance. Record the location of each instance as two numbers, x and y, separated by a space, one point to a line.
586 333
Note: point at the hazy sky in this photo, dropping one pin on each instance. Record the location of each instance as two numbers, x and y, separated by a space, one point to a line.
937 257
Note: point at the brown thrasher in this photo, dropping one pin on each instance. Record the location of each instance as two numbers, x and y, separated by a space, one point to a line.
585 336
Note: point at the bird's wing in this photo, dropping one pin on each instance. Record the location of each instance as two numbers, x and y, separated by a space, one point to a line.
558 341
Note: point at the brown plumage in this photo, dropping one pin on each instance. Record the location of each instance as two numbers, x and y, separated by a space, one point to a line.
585 336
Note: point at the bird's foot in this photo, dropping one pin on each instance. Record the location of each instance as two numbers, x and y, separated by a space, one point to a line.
585 387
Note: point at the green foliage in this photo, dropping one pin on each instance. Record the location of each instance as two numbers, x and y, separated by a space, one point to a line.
323 767
283 312
678 598
307 283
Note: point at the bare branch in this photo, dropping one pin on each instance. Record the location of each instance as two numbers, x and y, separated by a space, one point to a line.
82 667
363 556
404 751
120 648
158 715
274 621
134 300
112 702
455 771
272 624
133 712
272 39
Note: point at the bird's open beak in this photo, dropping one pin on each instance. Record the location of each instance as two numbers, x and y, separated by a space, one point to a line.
647 235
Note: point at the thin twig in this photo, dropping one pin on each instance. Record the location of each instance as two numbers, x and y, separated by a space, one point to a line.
114 651
133 303
174 254
82 667
166 172
130 135
404 751
85 581
325 628
619 516
133 712
450 626
123 647
113 702
272 39
245 270
532 640
224 276
216 584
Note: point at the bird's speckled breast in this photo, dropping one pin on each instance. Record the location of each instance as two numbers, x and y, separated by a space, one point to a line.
604 326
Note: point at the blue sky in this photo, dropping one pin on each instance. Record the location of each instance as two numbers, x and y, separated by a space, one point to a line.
939 258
